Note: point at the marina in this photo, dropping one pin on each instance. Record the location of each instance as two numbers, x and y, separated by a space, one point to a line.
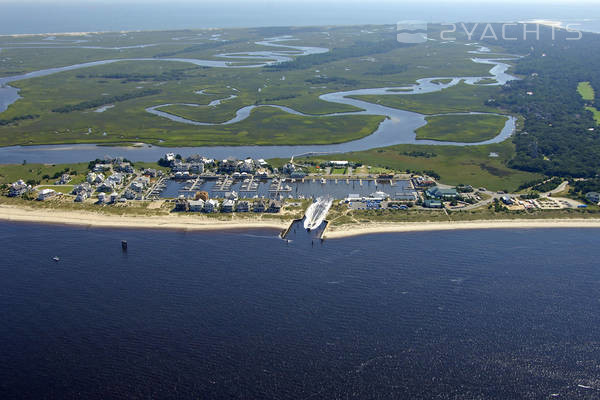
272 188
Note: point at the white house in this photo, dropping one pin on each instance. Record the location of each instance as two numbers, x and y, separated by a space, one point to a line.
211 206
196 205
45 194
18 188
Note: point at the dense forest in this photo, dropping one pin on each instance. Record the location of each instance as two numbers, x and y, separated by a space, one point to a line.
560 137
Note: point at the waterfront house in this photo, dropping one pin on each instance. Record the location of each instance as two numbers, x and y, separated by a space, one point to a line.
228 206
82 188
102 167
228 166
420 182
182 204
441 194
46 194
64 179
179 166
115 179
243 206
593 197
432 204
18 188
247 166
211 206
196 205
274 206
259 206
231 195
262 174
197 167
114 197
137 187
105 187
151 172
298 175
288 168
125 168
80 198
129 194
90 178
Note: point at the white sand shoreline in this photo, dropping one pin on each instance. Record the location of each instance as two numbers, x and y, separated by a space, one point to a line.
374 228
188 222
195 222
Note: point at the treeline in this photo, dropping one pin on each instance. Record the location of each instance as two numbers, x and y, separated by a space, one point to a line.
85 105
556 139
197 47
4 122
389 69
359 49
333 79
586 186
174 75
282 97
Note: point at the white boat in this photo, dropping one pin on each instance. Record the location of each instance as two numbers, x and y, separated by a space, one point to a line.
316 213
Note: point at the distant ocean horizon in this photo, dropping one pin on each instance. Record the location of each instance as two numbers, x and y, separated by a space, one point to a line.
38 18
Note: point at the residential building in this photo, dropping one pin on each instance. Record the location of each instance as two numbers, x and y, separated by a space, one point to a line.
46 194
242 206
106 187
80 198
259 206
593 197
18 188
64 179
441 194
228 206
196 205
432 204
182 204
83 187
274 206
211 206
507 200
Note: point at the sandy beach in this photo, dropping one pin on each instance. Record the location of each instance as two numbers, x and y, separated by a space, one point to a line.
174 221
365 229
196 222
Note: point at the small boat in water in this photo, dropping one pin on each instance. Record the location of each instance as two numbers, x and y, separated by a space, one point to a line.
56 259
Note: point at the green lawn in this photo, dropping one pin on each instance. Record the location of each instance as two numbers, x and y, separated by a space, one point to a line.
586 91
596 113
462 128
459 98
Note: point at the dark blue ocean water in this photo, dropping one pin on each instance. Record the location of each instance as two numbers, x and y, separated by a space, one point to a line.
497 314
18 16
